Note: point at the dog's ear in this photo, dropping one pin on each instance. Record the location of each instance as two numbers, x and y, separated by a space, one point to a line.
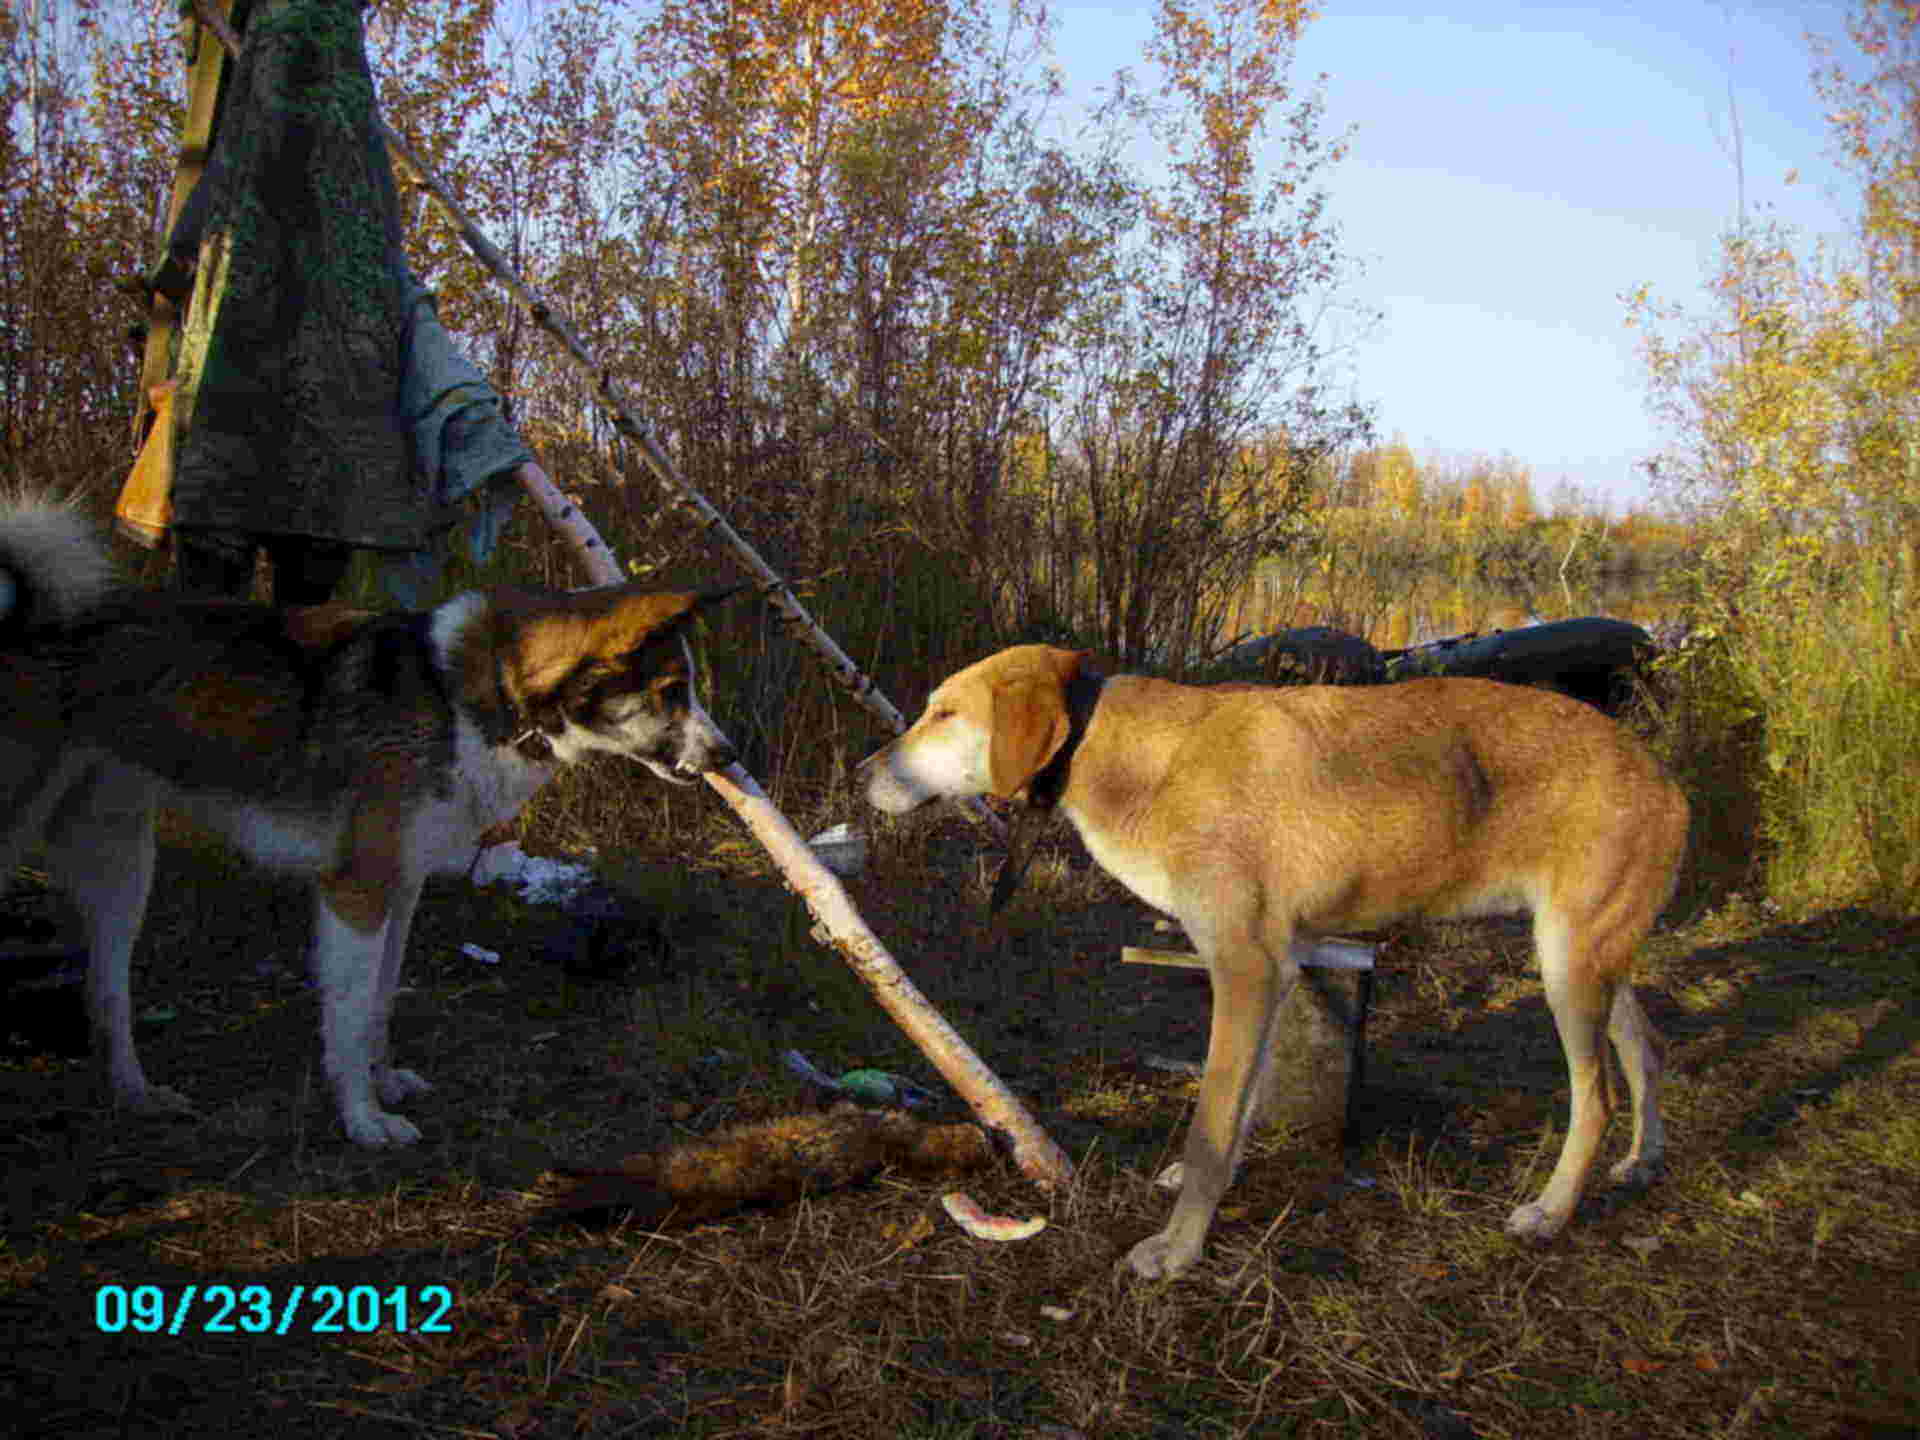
1029 727
690 607
701 601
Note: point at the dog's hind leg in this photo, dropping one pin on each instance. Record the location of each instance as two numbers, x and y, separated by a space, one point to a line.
391 1085
1643 1055
1581 988
100 851
1638 1044
1251 981
351 922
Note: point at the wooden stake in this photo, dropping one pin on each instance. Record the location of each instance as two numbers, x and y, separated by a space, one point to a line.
1326 954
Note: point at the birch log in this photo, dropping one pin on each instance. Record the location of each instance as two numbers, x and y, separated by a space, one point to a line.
1039 1159
572 525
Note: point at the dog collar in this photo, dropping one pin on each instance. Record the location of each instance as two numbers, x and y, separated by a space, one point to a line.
530 741
1050 782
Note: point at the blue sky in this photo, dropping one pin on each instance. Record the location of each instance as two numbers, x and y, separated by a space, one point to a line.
1514 170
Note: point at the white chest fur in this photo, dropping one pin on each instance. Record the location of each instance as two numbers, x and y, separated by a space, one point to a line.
1133 866
491 784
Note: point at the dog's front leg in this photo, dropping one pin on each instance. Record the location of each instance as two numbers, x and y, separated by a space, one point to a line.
1251 981
351 921
392 1085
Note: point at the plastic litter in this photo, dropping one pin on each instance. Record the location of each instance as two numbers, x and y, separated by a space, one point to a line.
538 880
841 848
867 1086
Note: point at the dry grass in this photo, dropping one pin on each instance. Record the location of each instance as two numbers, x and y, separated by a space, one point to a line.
1765 1286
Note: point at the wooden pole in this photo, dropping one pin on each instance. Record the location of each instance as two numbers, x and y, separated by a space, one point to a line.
1039 1159
203 93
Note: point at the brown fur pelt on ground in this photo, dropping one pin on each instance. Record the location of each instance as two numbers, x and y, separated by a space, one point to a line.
772 1163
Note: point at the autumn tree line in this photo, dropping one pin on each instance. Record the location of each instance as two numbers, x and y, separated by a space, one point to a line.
846 258
973 373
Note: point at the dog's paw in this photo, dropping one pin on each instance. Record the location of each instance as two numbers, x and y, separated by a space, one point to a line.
376 1129
1534 1223
1157 1258
154 1102
395 1086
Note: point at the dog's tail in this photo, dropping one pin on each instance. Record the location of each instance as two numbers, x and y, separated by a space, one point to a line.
52 565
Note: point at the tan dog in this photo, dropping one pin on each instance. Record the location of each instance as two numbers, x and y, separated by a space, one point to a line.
1256 816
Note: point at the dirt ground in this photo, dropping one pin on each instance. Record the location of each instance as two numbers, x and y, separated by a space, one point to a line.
1769 1284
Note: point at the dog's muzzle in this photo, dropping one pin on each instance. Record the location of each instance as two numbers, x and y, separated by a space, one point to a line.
695 755
885 790
697 760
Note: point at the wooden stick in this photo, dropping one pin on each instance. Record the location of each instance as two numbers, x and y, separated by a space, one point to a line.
1039 1159
196 131
572 524
1173 959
